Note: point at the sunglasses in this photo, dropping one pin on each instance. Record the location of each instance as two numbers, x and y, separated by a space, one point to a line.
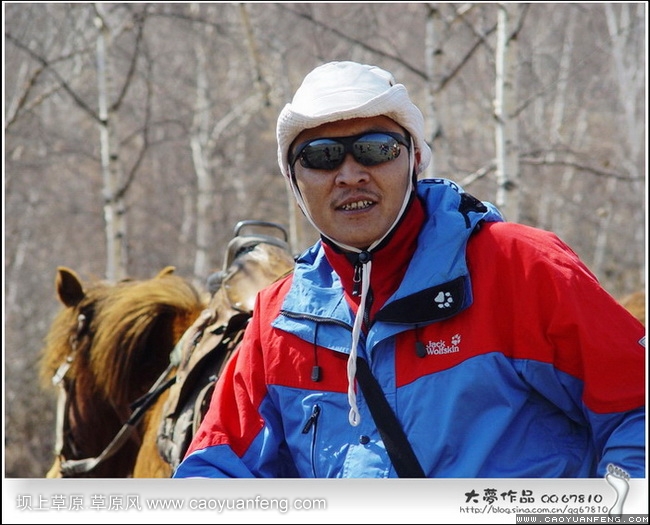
368 149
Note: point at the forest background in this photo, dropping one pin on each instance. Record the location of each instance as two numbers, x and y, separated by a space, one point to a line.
136 135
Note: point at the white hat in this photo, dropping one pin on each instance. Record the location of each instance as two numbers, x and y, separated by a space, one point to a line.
344 90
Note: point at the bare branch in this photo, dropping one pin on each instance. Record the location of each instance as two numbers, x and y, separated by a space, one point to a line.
262 84
21 102
470 52
478 174
553 161
140 20
361 44
46 64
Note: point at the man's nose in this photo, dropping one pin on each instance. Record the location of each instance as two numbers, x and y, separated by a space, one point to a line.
351 171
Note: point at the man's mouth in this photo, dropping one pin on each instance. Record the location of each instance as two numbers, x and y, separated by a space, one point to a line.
356 205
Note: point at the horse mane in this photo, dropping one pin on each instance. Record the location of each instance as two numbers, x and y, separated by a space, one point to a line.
130 322
134 316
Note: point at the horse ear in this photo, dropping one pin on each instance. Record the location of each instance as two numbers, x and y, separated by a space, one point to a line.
69 287
167 270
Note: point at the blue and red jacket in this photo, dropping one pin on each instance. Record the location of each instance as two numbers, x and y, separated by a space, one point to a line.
530 368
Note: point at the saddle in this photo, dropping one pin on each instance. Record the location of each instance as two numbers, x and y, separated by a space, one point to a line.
252 262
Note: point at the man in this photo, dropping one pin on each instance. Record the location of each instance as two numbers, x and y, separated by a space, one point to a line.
494 345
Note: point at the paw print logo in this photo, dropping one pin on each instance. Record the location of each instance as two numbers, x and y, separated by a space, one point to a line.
455 340
444 300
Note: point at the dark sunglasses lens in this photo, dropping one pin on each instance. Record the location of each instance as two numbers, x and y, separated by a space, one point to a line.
369 150
322 154
375 148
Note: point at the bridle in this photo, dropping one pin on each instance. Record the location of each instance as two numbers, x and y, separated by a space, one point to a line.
76 467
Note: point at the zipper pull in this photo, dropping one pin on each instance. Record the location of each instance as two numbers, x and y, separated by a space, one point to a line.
312 419
356 289
362 259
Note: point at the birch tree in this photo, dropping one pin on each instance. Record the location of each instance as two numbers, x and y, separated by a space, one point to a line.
208 132
505 101
112 174
200 145
432 52
630 81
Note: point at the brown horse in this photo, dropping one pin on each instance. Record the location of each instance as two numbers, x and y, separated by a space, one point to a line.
125 369
105 349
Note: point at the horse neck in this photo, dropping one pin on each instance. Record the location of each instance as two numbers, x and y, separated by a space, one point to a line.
92 422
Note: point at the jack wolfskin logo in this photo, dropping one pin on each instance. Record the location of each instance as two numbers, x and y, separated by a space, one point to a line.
441 347
444 300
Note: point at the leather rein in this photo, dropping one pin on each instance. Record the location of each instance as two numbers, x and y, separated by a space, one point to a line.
76 467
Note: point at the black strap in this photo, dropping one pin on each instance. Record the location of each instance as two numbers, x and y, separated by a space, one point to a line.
399 449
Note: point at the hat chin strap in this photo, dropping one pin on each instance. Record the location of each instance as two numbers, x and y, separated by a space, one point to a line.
354 416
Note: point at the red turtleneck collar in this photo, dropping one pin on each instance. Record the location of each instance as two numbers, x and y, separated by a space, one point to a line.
389 263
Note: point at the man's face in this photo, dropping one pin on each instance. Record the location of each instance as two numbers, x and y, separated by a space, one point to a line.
354 204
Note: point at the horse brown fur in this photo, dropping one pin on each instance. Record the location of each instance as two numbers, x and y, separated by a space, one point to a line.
635 304
132 328
149 463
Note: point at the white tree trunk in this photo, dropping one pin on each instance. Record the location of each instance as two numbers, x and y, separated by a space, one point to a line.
506 133
114 206
432 51
199 143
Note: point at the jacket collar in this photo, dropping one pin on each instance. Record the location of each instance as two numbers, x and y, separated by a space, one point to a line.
431 282
389 261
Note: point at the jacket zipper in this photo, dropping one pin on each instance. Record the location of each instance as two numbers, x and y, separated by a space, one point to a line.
316 319
312 424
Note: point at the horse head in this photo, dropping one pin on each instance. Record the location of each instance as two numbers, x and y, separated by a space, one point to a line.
107 346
